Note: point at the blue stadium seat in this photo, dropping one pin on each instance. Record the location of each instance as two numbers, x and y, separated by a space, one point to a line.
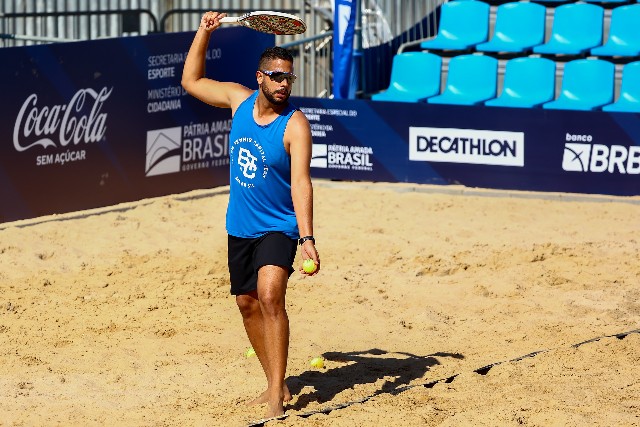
577 27
471 80
553 3
519 26
607 3
629 99
463 24
528 82
415 76
624 35
587 84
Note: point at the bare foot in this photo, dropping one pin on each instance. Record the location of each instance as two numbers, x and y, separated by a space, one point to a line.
275 408
264 397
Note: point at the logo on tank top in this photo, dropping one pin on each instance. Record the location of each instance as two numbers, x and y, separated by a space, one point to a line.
248 162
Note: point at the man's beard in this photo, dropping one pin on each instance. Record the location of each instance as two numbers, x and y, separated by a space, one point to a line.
271 98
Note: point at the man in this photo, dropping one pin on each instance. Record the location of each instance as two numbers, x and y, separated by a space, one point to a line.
270 202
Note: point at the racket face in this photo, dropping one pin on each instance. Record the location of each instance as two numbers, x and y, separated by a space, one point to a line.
274 22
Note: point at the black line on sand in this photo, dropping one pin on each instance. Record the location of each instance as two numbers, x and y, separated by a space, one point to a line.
482 371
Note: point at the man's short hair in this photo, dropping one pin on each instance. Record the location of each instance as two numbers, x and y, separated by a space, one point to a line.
273 53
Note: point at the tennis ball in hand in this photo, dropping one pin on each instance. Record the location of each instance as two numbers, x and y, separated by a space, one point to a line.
317 362
309 266
250 352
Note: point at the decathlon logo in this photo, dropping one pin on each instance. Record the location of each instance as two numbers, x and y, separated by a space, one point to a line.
164 148
486 147
601 158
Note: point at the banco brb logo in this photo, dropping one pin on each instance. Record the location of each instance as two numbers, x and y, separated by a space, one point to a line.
600 158
164 147
576 157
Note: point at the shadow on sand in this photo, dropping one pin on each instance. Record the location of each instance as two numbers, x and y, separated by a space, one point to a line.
362 367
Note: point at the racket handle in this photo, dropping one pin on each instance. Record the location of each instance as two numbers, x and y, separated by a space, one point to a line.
229 19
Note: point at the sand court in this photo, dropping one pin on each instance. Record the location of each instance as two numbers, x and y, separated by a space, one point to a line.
122 315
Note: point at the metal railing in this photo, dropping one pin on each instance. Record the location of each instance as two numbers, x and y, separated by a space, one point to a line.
20 27
385 25
314 64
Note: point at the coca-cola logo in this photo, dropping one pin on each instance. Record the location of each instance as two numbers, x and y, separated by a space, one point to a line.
81 120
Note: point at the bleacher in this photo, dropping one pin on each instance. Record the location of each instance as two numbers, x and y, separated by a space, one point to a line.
551 54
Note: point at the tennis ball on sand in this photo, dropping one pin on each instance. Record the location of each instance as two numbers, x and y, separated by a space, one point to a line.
309 266
250 352
317 362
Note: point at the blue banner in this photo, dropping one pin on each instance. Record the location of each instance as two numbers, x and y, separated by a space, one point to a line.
344 71
476 146
91 124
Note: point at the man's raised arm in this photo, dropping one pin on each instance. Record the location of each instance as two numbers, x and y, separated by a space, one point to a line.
212 92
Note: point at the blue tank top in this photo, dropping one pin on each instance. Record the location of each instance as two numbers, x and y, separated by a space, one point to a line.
260 175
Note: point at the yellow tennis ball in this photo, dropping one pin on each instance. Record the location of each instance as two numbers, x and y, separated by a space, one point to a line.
309 266
250 352
317 362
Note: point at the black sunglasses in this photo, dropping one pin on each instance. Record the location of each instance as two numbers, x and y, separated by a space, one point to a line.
279 76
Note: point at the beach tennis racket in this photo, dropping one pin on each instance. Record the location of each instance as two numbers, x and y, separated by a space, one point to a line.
269 22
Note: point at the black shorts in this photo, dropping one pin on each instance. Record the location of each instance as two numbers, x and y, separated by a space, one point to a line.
246 256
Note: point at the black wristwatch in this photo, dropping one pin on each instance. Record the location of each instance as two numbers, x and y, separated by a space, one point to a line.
305 238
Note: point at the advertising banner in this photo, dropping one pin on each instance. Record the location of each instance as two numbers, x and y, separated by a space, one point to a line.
476 146
344 19
97 123
92 124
